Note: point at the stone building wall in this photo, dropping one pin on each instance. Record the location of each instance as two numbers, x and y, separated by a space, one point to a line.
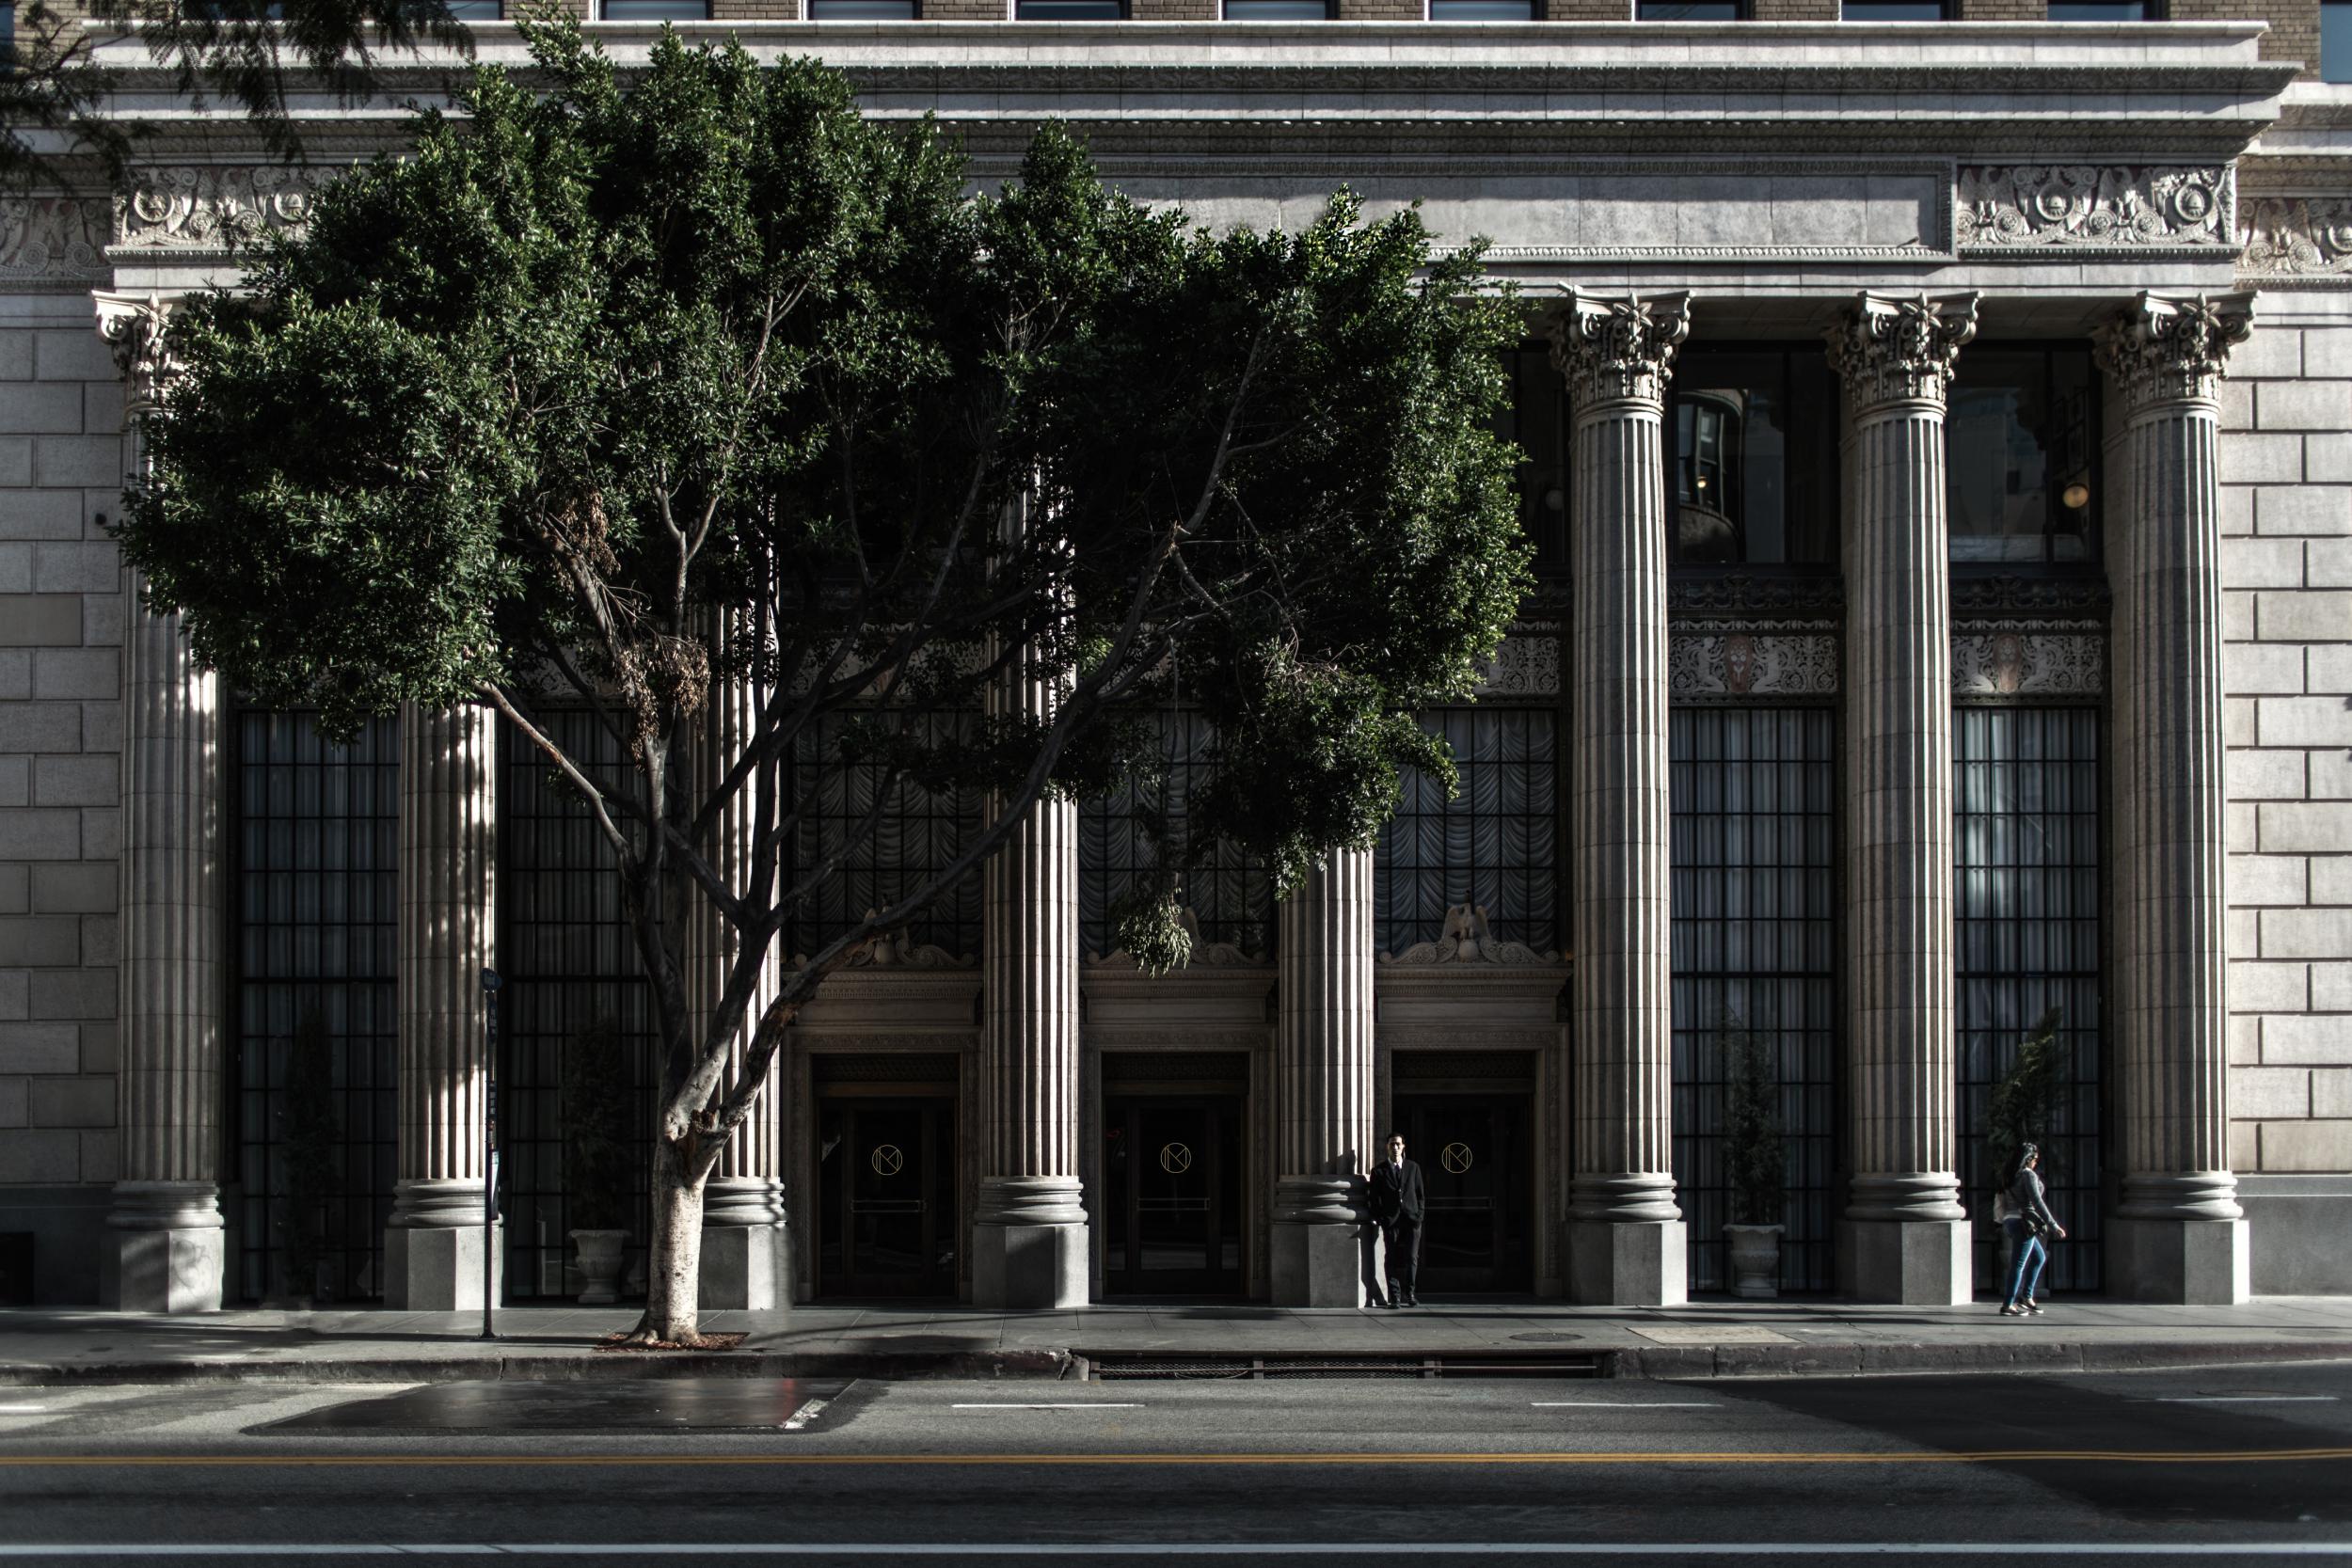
61 760
2286 466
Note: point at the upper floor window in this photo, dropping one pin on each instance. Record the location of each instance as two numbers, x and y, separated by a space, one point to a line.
1069 10
1277 11
1754 457
1692 11
477 11
1894 10
862 11
1537 422
2107 11
2021 456
2335 41
1484 11
655 11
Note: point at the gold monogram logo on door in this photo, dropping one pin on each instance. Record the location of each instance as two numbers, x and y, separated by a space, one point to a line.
1175 1158
886 1160
1457 1158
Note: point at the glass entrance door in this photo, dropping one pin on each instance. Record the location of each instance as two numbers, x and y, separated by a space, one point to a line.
1171 1215
887 1191
1476 1162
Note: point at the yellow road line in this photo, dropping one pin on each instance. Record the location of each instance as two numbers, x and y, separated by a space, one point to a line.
1989 1456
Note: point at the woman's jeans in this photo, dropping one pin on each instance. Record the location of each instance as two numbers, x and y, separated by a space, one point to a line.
2029 1254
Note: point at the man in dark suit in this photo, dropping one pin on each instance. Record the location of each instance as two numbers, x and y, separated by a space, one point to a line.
1396 1205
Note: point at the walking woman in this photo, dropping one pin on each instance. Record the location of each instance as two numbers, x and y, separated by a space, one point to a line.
2030 1227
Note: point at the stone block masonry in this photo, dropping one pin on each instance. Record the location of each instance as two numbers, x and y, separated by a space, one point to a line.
61 465
2288 669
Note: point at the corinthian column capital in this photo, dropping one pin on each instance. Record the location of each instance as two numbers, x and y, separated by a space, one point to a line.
1894 350
133 326
2165 350
1618 349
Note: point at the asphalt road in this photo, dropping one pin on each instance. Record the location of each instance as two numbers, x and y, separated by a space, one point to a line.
2243 1466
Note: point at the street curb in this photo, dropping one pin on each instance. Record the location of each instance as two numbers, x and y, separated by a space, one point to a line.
589 1367
1683 1362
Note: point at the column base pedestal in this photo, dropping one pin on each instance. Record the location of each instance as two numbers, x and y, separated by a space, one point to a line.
1906 1262
1321 1265
1029 1251
746 1268
2186 1262
164 1248
1628 1262
438 1268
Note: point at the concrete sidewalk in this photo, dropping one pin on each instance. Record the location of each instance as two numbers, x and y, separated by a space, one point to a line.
1791 1337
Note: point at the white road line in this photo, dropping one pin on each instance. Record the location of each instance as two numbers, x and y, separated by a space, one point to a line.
1623 1404
804 1414
2244 1398
24 1410
1087 1404
2141 1549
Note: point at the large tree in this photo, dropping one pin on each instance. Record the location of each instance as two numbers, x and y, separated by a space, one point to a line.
613 396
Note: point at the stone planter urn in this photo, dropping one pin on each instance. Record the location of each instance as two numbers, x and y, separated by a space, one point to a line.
599 1265
1754 1258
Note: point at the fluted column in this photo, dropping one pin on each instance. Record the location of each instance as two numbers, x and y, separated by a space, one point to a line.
1029 1237
164 1250
1625 1234
2179 1234
448 841
746 1259
1906 1236
1323 1132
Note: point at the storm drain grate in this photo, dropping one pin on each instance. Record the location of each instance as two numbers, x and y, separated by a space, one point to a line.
1117 1366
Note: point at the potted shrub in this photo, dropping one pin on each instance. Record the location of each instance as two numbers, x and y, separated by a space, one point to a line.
1753 1163
596 1156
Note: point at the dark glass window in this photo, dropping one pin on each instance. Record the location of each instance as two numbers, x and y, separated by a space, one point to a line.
2106 10
862 11
1277 11
916 836
318 1011
2021 437
1537 422
477 11
1230 898
235 10
2025 791
654 10
2335 41
1754 465
1494 844
1755 949
570 966
1069 10
1894 10
1485 10
1692 11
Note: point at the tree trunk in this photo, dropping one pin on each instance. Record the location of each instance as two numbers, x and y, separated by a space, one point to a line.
673 1268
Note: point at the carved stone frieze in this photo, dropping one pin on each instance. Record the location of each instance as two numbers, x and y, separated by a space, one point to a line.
1619 350
213 208
1894 349
2029 658
1759 661
2303 237
53 237
2135 207
2167 350
1467 938
1526 665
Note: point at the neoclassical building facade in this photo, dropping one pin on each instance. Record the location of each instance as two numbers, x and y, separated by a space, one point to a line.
1938 452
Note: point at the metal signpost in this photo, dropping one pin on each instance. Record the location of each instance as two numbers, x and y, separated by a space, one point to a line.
489 1151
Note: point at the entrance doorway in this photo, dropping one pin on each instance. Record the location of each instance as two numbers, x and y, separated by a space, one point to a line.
1478 1165
1172 1177
886 1182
